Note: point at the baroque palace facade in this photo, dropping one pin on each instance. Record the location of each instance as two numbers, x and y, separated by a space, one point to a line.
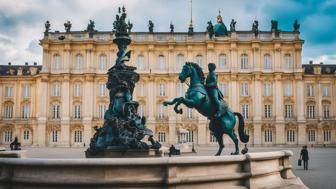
261 75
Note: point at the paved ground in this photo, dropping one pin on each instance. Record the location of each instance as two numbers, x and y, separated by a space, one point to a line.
321 173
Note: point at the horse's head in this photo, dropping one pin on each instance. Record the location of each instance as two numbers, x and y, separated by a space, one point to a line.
186 72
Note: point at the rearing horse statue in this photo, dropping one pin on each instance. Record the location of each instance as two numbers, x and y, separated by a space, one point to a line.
198 98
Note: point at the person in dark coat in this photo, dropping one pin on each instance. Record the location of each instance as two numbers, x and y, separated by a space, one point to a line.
304 156
171 150
15 145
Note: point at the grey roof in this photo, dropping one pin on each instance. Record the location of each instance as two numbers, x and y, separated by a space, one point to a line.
326 69
13 70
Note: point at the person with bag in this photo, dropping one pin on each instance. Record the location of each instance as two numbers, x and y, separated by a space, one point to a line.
304 156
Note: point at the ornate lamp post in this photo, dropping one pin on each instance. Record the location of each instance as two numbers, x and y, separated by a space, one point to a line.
123 128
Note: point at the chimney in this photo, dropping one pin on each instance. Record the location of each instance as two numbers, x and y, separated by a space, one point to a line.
26 63
310 62
35 63
9 63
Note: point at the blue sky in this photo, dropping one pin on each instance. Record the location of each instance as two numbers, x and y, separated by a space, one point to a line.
22 21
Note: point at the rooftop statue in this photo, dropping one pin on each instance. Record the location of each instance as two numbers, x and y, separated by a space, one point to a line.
47 28
123 128
208 101
67 26
171 28
233 25
150 26
91 28
255 28
274 24
220 28
210 29
296 26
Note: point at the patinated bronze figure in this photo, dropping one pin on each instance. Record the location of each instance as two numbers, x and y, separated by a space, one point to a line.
67 26
233 25
150 26
210 29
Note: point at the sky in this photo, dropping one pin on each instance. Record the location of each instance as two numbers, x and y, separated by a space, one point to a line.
22 21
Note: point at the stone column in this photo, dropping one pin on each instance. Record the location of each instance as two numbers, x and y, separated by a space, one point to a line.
46 61
277 55
88 93
42 109
234 93
87 135
151 99
257 99
300 97
234 58
257 135
67 60
171 60
41 133
2 92
172 132
65 110
151 59
202 125
279 118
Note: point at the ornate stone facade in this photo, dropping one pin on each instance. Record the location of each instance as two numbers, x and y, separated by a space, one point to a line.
261 75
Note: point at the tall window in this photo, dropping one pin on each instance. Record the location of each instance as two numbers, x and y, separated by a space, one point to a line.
268 111
56 111
8 113
8 136
141 62
101 110
180 61
325 91
244 62
26 134
77 111
224 89
268 135
288 89
141 89
57 62
25 111
212 138
222 61
311 111
326 111
162 89
245 111
78 137
288 63
79 62
244 89
290 135
326 135
161 111
311 135
25 91
77 89
102 89
267 62
141 110
310 90
199 60
8 91
190 136
267 89
189 113
54 136
102 62
288 111
180 89
56 89
161 62
162 137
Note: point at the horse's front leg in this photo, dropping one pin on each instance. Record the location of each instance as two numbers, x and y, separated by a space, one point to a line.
175 100
190 103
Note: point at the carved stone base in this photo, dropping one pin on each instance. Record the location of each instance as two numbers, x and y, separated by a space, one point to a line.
118 153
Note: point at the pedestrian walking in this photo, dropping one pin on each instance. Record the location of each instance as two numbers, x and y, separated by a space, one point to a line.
304 156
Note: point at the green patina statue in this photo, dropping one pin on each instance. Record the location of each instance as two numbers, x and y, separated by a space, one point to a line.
123 128
220 29
208 100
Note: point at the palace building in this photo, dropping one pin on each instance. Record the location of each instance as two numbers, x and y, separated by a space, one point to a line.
260 73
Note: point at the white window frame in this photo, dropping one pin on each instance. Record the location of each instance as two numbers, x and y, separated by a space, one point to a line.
222 63
25 91
161 62
162 137
288 61
77 111
180 61
310 90
325 91
54 136
8 136
288 111
56 114
57 89
199 60
78 136
77 90
79 62
9 91
102 62
244 89
268 111
267 89
162 89
267 62
268 136
102 88
288 89
311 111
244 62
311 135
26 134
141 62
56 62
290 136
25 114
326 135
245 110
326 111
8 113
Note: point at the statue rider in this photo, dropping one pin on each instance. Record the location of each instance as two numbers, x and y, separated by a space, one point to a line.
211 86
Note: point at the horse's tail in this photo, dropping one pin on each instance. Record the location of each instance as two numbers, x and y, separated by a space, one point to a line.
244 137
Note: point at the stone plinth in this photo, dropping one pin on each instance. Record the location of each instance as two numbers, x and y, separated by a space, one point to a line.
255 170
13 154
123 153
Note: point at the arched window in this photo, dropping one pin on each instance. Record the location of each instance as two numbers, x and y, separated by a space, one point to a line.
288 63
162 91
9 91
57 62
102 62
78 136
26 134
222 61
267 89
101 111
245 111
161 111
8 136
189 113
77 112
102 87
268 134
326 110
311 135
77 89
25 111
268 110
288 89
326 135
180 61
325 90
141 62
199 60
162 137
25 91
244 89
79 62
161 62
244 62
56 114
288 110
267 62
8 111
141 89
311 111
